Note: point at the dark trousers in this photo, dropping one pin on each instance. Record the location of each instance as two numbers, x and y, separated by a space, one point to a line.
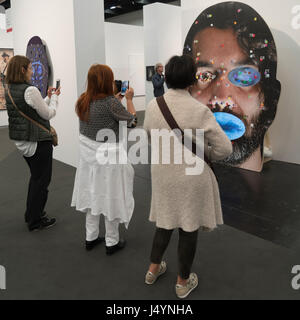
186 249
40 165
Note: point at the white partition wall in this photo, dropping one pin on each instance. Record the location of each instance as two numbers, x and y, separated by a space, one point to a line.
74 35
162 34
284 21
89 37
6 42
124 46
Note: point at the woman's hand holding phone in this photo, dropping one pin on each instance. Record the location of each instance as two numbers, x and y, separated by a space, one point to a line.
52 91
119 96
129 94
57 92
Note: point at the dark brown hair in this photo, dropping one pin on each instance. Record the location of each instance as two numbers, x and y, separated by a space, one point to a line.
181 72
100 86
15 70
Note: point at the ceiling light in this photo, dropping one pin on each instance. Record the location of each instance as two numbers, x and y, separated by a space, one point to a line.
142 1
115 7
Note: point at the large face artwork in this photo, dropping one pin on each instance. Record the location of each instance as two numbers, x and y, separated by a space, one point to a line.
236 58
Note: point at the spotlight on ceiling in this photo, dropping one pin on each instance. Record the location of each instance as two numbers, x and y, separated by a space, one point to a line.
142 1
115 7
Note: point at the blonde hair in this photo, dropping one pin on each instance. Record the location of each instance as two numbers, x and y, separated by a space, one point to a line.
157 66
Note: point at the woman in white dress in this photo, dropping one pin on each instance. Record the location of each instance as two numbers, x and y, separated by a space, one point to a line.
103 188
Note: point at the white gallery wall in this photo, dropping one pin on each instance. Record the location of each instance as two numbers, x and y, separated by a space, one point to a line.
6 42
71 31
89 38
162 36
284 22
124 47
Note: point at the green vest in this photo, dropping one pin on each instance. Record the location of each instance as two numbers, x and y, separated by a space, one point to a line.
21 129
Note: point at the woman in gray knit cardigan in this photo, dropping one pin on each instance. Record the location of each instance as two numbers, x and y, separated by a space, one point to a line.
103 188
180 201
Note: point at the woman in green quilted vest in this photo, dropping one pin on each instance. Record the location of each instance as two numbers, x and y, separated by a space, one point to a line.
29 115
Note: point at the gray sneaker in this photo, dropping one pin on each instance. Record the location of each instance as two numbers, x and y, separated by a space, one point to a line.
151 278
183 291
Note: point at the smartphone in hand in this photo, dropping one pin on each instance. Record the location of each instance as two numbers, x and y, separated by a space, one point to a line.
57 84
124 88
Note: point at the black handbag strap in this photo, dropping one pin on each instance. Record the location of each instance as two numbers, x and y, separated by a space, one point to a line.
174 125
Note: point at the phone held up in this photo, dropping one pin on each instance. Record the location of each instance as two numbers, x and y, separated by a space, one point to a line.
57 84
124 88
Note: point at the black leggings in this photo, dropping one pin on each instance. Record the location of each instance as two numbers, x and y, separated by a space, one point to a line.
186 249
40 165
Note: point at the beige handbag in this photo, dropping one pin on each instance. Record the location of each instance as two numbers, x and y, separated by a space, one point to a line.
52 131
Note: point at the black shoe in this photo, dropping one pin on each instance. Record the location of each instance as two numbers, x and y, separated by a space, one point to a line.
45 223
90 245
111 250
43 215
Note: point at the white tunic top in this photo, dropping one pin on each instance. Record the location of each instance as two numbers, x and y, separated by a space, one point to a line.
46 108
103 189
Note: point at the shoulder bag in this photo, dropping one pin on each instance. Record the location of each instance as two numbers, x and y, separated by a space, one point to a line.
52 131
174 125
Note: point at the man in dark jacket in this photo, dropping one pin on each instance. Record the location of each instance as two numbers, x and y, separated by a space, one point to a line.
158 81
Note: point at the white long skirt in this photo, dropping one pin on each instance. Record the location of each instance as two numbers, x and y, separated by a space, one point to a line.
103 189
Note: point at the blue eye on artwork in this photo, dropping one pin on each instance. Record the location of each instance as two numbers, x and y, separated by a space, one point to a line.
244 77
231 125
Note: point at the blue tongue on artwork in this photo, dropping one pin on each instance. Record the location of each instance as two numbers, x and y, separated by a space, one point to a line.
232 125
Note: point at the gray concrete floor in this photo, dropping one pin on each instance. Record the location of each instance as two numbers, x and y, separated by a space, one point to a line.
53 264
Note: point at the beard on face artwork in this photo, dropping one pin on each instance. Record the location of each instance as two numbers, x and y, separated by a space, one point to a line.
244 147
